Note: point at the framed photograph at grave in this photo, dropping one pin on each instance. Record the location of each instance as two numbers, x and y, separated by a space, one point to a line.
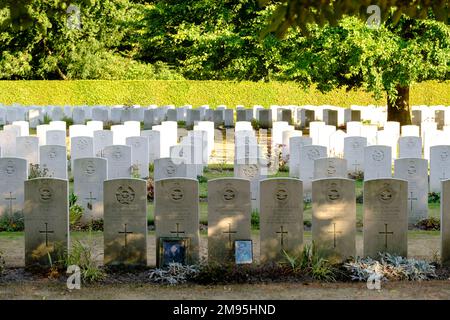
243 251
173 250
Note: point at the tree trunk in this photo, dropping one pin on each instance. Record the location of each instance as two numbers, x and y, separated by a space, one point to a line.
399 109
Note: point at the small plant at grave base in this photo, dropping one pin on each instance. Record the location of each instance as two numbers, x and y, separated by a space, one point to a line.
434 197
174 274
150 189
390 267
255 219
181 124
107 125
202 179
358 175
12 222
83 256
429 224
151 167
68 121
312 261
360 198
306 204
45 120
255 124
75 210
366 122
282 162
135 171
36 171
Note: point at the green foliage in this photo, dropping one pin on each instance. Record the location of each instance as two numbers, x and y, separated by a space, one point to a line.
75 210
255 219
69 121
434 197
202 179
46 119
37 172
430 224
135 171
12 222
83 256
39 44
210 39
312 261
376 60
301 12
200 92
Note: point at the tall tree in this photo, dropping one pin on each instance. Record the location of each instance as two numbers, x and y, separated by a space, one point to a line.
78 39
387 60
210 39
405 50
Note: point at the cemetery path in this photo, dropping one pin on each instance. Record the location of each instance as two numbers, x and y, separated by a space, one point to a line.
47 289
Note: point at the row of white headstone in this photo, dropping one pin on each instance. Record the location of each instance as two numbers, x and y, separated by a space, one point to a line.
385 215
154 115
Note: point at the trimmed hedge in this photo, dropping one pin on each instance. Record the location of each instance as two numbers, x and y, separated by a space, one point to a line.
196 93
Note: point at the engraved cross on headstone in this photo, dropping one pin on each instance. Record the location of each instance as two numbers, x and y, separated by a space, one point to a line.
411 198
90 198
125 233
229 232
443 176
386 233
178 230
46 232
282 233
334 232
10 199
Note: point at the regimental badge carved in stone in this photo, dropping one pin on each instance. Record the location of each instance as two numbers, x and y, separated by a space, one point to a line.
82 144
10 168
356 145
331 170
333 193
136 144
444 156
229 194
313 154
117 155
386 194
378 155
125 195
52 154
412 168
411 143
281 194
171 169
90 168
250 171
176 194
45 193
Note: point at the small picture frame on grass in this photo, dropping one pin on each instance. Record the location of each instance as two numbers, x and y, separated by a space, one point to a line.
243 251
173 250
